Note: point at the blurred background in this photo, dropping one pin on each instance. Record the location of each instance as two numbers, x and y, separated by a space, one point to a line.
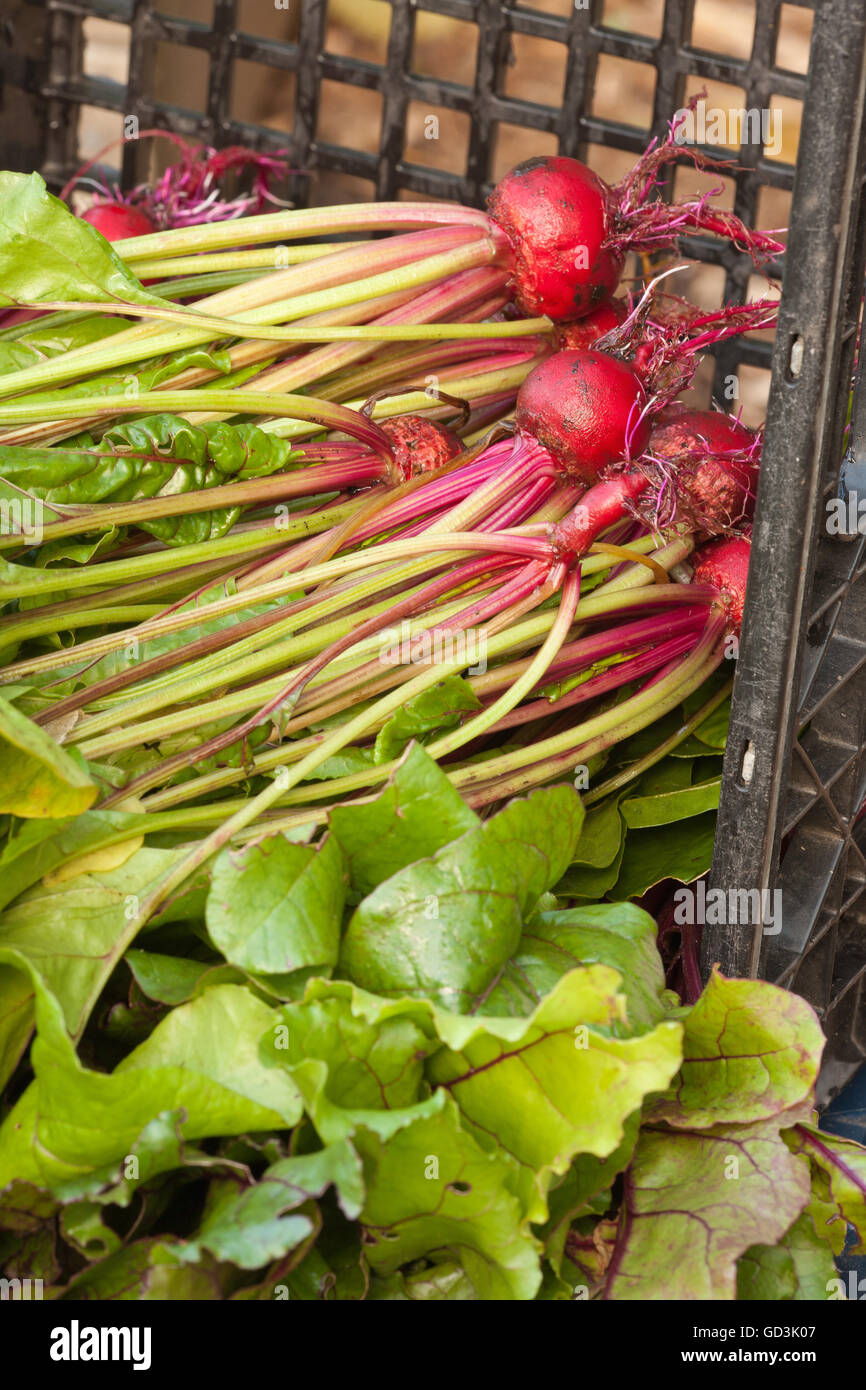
446 48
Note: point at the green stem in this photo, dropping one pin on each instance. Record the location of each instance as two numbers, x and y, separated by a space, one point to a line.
19 582
642 765
535 669
625 719
297 223
268 258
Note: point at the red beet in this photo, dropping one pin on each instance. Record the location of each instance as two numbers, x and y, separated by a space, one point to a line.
716 459
558 217
586 331
586 408
117 221
724 563
419 445
570 232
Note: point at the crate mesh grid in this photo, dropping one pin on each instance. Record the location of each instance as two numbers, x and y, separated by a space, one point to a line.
822 950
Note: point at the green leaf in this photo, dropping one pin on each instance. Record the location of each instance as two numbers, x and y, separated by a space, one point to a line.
343 764
260 1223
670 775
799 1268
54 334
444 926
335 1268
351 1055
585 881
417 813
839 1182
695 1202
750 1051
601 835
275 907
431 1191
714 729
74 933
155 456
683 850
439 707
144 1271
174 980
38 847
16 1018
202 1058
765 1273
37 778
615 934
46 253
663 808
556 1084
82 1227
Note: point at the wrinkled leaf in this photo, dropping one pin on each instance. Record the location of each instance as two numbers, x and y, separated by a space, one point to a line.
38 779
260 1222
750 1051
615 934
46 253
442 927
438 708
417 813
275 907
683 850
203 1057
695 1202
432 1191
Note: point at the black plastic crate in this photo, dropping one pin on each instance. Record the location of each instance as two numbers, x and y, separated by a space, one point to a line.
795 772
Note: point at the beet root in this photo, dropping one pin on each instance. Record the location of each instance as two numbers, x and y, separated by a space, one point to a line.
557 215
419 445
585 332
715 460
587 409
724 563
116 221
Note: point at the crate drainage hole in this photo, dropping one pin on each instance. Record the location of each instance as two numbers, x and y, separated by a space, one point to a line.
747 764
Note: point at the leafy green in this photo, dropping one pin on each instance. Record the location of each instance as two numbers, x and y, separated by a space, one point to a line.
74 933
260 1222
530 1083
38 779
682 850
799 1268
440 707
663 808
695 1201
417 813
839 1183
202 1059
750 1051
444 926
155 456
498 1100
431 1190
175 980
615 934
46 253
275 907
